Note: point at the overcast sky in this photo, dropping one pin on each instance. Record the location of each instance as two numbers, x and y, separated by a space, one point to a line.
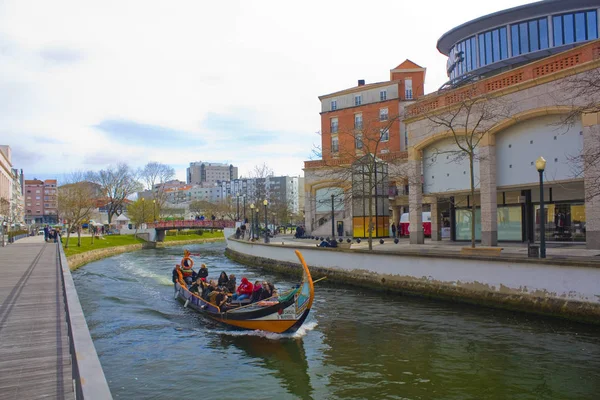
85 85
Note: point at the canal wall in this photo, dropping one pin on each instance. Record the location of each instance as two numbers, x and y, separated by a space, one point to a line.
569 289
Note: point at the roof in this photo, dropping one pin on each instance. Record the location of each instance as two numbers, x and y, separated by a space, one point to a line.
358 89
122 217
407 64
504 17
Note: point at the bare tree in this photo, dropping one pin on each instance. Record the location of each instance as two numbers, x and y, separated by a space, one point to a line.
154 175
260 174
75 204
468 121
358 165
117 183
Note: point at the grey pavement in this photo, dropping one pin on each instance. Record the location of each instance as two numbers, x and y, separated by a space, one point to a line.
34 344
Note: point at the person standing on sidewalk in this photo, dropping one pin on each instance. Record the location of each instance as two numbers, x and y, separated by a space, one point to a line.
394 230
46 232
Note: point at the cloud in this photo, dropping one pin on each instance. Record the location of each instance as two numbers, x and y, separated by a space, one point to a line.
134 133
61 55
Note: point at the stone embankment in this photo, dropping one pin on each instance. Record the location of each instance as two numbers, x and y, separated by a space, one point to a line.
79 260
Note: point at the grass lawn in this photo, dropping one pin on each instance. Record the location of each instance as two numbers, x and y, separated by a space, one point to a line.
192 236
107 241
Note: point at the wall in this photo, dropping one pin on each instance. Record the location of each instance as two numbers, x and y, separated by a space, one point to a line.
569 291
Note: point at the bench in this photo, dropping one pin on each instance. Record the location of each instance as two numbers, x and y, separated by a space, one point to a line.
481 251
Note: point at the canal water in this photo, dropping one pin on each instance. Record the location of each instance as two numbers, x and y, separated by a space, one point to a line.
356 344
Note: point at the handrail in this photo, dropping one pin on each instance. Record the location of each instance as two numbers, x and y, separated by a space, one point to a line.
88 376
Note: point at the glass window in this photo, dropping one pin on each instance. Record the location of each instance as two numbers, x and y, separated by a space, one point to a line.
543 25
385 135
568 28
383 95
358 142
488 47
481 51
468 66
496 45
503 44
523 39
383 114
509 223
592 25
558 30
334 144
358 100
534 39
358 122
580 31
473 53
514 31
333 105
334 125
463 224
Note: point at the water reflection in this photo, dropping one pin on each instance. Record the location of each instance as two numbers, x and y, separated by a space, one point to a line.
285 357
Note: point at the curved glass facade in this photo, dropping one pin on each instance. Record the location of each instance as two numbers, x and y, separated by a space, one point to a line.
520 38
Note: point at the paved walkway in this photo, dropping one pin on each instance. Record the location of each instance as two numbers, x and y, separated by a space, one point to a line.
553 249
34 345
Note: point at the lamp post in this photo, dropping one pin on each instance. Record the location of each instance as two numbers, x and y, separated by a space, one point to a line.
252 223
540 165
154 208
244 197
143 210
257 224
238 206
332 217
265 202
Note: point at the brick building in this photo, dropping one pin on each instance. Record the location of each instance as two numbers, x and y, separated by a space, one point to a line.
41 201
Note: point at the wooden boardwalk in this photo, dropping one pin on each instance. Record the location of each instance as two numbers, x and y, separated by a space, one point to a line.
34 345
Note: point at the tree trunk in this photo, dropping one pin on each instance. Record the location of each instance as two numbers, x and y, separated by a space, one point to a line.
78 237
370 212
93 233
68 236
472 200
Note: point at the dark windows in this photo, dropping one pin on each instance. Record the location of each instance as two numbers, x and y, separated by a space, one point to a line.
462 58
529 36
577 27
493 46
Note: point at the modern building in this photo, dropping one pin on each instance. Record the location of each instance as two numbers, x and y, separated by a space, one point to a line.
18 200
365 120
525 72
6 183
41 201
201 173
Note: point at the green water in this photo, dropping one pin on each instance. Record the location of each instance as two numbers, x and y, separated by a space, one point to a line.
356 344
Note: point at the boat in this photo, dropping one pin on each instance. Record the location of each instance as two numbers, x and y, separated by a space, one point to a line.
279 314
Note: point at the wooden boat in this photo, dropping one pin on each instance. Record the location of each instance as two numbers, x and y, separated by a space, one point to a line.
282 314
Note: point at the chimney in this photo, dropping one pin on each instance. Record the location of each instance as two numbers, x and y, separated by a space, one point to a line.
361 82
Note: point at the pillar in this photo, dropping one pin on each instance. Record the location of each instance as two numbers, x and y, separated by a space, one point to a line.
436 221
488 192
415 196
591 172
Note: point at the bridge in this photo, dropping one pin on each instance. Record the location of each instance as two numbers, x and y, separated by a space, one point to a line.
162 226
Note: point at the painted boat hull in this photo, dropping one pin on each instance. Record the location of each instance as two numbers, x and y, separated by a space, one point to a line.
285 316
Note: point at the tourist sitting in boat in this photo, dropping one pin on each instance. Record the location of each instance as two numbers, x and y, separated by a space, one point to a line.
198 285
221 298
256 292
231 284
211 287
269 290
187 265
244 291
223 279
203 271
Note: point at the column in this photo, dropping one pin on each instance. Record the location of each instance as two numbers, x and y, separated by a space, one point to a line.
591 168
415 196
436 221
487 190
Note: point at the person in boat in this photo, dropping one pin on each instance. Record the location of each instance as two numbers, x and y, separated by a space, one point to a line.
198 286
223 279
208 289
256 292
203 272
220 298
187 268
175 275
231 284
244 291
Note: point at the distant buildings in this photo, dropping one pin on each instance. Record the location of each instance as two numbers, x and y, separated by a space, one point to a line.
41 201
11 190
201 173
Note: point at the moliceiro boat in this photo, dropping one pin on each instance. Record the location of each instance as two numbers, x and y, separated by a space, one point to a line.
278 314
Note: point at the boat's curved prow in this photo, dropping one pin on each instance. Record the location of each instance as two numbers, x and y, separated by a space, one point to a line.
306 280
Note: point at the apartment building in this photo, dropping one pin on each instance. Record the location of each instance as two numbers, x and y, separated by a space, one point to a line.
206 173
41 201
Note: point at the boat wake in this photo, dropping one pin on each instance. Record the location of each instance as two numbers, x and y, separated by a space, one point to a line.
301 332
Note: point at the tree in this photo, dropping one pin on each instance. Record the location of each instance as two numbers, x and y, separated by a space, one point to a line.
117 184
154 175
76 201
200 207
260 174
357 159
468 121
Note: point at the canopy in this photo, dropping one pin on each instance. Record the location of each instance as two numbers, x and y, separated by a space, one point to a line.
122 217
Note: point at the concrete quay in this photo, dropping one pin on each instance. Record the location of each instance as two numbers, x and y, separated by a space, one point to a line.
45 347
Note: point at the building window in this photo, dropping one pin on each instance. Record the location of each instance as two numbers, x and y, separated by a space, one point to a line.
529 36
333 105
358 141
408 88
383 95
358 121
493 46
334 145
358 100
385 134
334 125
383 114
577 27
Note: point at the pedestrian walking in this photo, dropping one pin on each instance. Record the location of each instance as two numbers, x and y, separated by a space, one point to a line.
393 230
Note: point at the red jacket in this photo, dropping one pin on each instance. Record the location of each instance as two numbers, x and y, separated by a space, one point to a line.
245 287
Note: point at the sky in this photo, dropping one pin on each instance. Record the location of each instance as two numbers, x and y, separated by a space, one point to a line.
85 85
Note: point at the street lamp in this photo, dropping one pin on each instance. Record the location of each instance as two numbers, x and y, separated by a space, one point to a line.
257 224
252 223
154 208
238 206
143 206
332 217
265 202
540 165
244 197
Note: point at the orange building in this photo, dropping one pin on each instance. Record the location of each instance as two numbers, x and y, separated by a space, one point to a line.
41 201
365 119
